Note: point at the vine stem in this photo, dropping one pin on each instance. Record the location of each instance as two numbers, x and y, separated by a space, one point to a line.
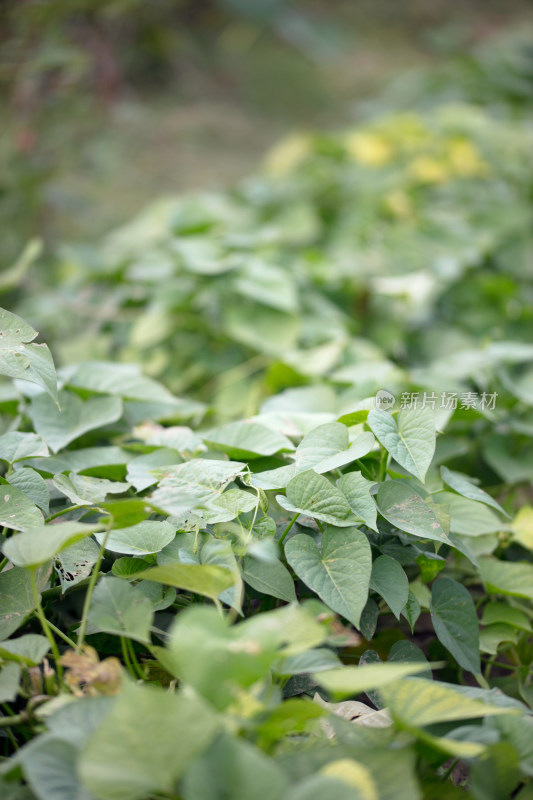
62 635
287 529
90 589
45 626
482 681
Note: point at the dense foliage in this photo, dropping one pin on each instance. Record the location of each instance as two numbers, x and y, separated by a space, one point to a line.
289 556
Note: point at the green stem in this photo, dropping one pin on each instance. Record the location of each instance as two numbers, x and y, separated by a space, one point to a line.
383 462
135 661
481 681
365 472
64 511
450 769
3 562
16 719
287 529
62 635
45 626
126 658
90 589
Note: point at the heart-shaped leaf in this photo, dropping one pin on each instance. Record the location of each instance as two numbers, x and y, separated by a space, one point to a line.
339 573
410 439
314 496
77 416
406 510
119 608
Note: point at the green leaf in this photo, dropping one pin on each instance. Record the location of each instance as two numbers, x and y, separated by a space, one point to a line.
29 649
16 445
128 568
121 609
10 675
455 622
139 540
243 440
75 562
460 484
314 496
145 743
77 416
16 597
354 680
356 489
41 543
493 636
194 485
140 469
405 652
269 577
389 580
16 509
202 579
83 490
406 510
468 517
502 612
218 659
234 768
410 439
50 767
503 577
123 380
416 702
324 448
339 573
21 358
411 611
496 774
33 485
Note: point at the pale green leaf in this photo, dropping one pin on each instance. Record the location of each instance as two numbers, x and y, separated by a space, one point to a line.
139 540
419 702
16 445
29 649
314 496
246 439
269 577
463 486
121 609
354 680
16 509
339 573
202 579
77 416
84 490
41 543
410 439
356 489
145 743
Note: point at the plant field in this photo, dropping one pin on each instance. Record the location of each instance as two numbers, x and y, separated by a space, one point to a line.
268 527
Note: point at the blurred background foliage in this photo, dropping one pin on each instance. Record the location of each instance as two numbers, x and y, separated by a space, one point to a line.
389 249
107 103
